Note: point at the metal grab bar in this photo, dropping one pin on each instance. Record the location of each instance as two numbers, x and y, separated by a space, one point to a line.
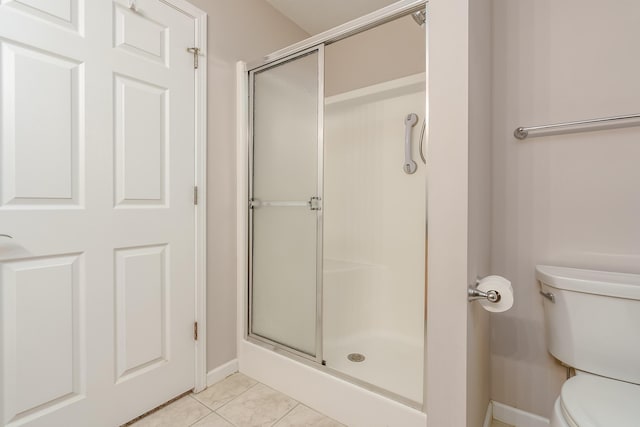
523 132
421 143
409 166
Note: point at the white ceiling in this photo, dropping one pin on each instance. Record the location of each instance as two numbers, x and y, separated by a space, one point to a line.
316 16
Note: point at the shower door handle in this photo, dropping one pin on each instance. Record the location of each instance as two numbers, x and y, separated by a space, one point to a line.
313 203
409 166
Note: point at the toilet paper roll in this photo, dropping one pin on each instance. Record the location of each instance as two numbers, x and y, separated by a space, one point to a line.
500 285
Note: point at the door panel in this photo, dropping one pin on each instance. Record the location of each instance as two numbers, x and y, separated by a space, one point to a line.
140 35
64 13
97 153
41 124
141 111
141 314
286 202
36 329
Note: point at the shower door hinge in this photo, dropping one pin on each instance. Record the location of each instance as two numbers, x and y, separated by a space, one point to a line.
195 195
195 331
196 52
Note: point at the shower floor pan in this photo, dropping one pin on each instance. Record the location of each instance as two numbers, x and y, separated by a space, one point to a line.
392 363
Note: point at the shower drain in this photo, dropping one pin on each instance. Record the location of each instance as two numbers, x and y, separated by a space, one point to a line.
356 357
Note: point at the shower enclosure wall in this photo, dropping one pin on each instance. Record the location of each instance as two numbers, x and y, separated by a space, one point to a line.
336 221
374 237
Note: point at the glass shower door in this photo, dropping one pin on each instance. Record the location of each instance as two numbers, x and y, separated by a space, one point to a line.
285 203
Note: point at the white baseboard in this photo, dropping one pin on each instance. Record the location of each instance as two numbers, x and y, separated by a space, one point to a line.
516 417
488 417
222 372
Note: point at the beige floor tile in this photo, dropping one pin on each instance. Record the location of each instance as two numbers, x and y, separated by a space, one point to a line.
181 413
301 416
497 423
260 406
213 420
221 393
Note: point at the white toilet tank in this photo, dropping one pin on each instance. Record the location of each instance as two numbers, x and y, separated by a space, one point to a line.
594 323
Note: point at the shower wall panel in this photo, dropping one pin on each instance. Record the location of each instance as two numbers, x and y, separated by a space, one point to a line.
374 238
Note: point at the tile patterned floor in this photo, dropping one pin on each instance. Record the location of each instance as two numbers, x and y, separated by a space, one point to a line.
237 401
240 401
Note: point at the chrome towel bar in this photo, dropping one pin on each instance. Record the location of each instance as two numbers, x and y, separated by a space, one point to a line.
523 132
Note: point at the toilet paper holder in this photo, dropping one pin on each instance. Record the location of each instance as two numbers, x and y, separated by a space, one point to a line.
474 294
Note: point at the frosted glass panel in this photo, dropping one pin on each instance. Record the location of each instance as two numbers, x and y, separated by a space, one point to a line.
285 129
284 277
285 169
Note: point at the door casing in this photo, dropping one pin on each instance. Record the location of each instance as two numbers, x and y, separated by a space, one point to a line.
200 179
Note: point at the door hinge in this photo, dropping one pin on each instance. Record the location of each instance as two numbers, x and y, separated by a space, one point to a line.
196 52
195 195
195 331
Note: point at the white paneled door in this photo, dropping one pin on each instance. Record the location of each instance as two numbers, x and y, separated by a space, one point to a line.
97 149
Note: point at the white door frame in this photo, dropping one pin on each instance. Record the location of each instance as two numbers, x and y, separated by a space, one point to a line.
200 181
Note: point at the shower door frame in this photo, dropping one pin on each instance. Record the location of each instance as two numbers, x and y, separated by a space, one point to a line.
244 133
249 335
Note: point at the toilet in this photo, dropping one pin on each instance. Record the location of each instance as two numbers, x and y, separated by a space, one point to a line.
592 322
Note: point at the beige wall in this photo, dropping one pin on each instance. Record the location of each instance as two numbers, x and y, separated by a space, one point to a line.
459 210
479 257
568 200
390 51
448 88
238 30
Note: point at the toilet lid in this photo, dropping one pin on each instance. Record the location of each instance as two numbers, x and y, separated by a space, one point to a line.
591 401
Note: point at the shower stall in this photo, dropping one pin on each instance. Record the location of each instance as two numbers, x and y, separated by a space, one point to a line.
374 236
336 207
